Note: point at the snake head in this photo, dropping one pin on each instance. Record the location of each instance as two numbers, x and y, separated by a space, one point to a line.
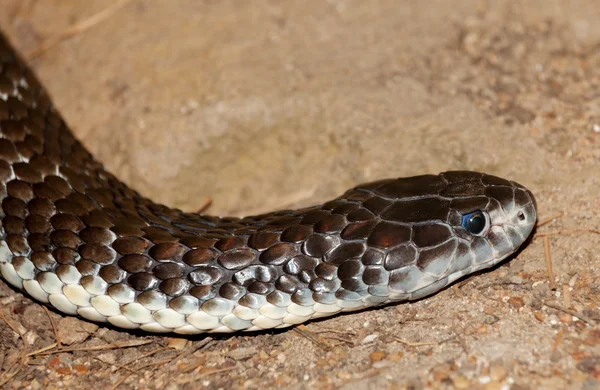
459 222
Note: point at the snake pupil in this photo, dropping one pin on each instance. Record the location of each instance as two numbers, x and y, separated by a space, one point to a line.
474 222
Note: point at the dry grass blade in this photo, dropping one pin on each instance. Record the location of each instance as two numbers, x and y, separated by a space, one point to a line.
302 331
549 263
104 347
136 370
7 376
549 219
206 203
567 231
558 307
158 350
566 296
342 332
56 335
423 343
76 29
43 349
199 346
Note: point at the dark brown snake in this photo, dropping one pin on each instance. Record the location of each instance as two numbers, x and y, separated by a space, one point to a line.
73 236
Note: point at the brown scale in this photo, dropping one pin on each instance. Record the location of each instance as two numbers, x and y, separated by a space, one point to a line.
60 208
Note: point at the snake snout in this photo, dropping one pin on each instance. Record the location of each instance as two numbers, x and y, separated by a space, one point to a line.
525 206
521 220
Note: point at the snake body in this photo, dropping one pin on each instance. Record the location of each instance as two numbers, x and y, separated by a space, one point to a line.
76 238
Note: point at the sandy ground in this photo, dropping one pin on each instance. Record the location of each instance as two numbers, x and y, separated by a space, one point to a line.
265 104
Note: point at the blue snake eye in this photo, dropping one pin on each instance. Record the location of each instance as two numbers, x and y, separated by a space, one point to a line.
475 222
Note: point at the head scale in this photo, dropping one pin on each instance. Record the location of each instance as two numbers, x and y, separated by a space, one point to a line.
451 225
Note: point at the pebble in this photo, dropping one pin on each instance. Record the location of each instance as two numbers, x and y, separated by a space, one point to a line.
243 353
73 331
498 372
176 343
516 302
493 385
540 316
377 356
263 355
460 382
369 339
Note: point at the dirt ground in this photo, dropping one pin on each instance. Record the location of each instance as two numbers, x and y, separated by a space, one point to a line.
267 104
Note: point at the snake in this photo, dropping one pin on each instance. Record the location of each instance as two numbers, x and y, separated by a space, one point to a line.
77 239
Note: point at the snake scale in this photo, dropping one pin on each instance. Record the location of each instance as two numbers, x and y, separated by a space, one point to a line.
74 237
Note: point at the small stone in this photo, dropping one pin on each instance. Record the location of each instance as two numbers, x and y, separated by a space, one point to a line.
80 368
339 353
395 357
369 339
108 357
516 279
54 362
565 318
377 356
553 319
491 319
492 385
593 337
498 372
441 372
177 343
344 375
589 364
263 355
540 316
491 310
242 353
72 330
516 302
63 370
555 356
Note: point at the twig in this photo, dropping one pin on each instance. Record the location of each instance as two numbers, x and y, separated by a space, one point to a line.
582 317
205 374
201 345
161 349
422 343
104 347
344 332
302 331
567 231
10 325
56 335
137 369
204 205
549 263
549 219
76 29
23 359
338 338
566 296
43 349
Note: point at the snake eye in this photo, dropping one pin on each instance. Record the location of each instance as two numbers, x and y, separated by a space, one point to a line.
475 222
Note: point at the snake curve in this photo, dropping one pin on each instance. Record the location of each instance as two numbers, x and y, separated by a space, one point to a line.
74 237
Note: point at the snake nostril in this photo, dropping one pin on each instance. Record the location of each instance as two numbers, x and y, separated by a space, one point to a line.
521 216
